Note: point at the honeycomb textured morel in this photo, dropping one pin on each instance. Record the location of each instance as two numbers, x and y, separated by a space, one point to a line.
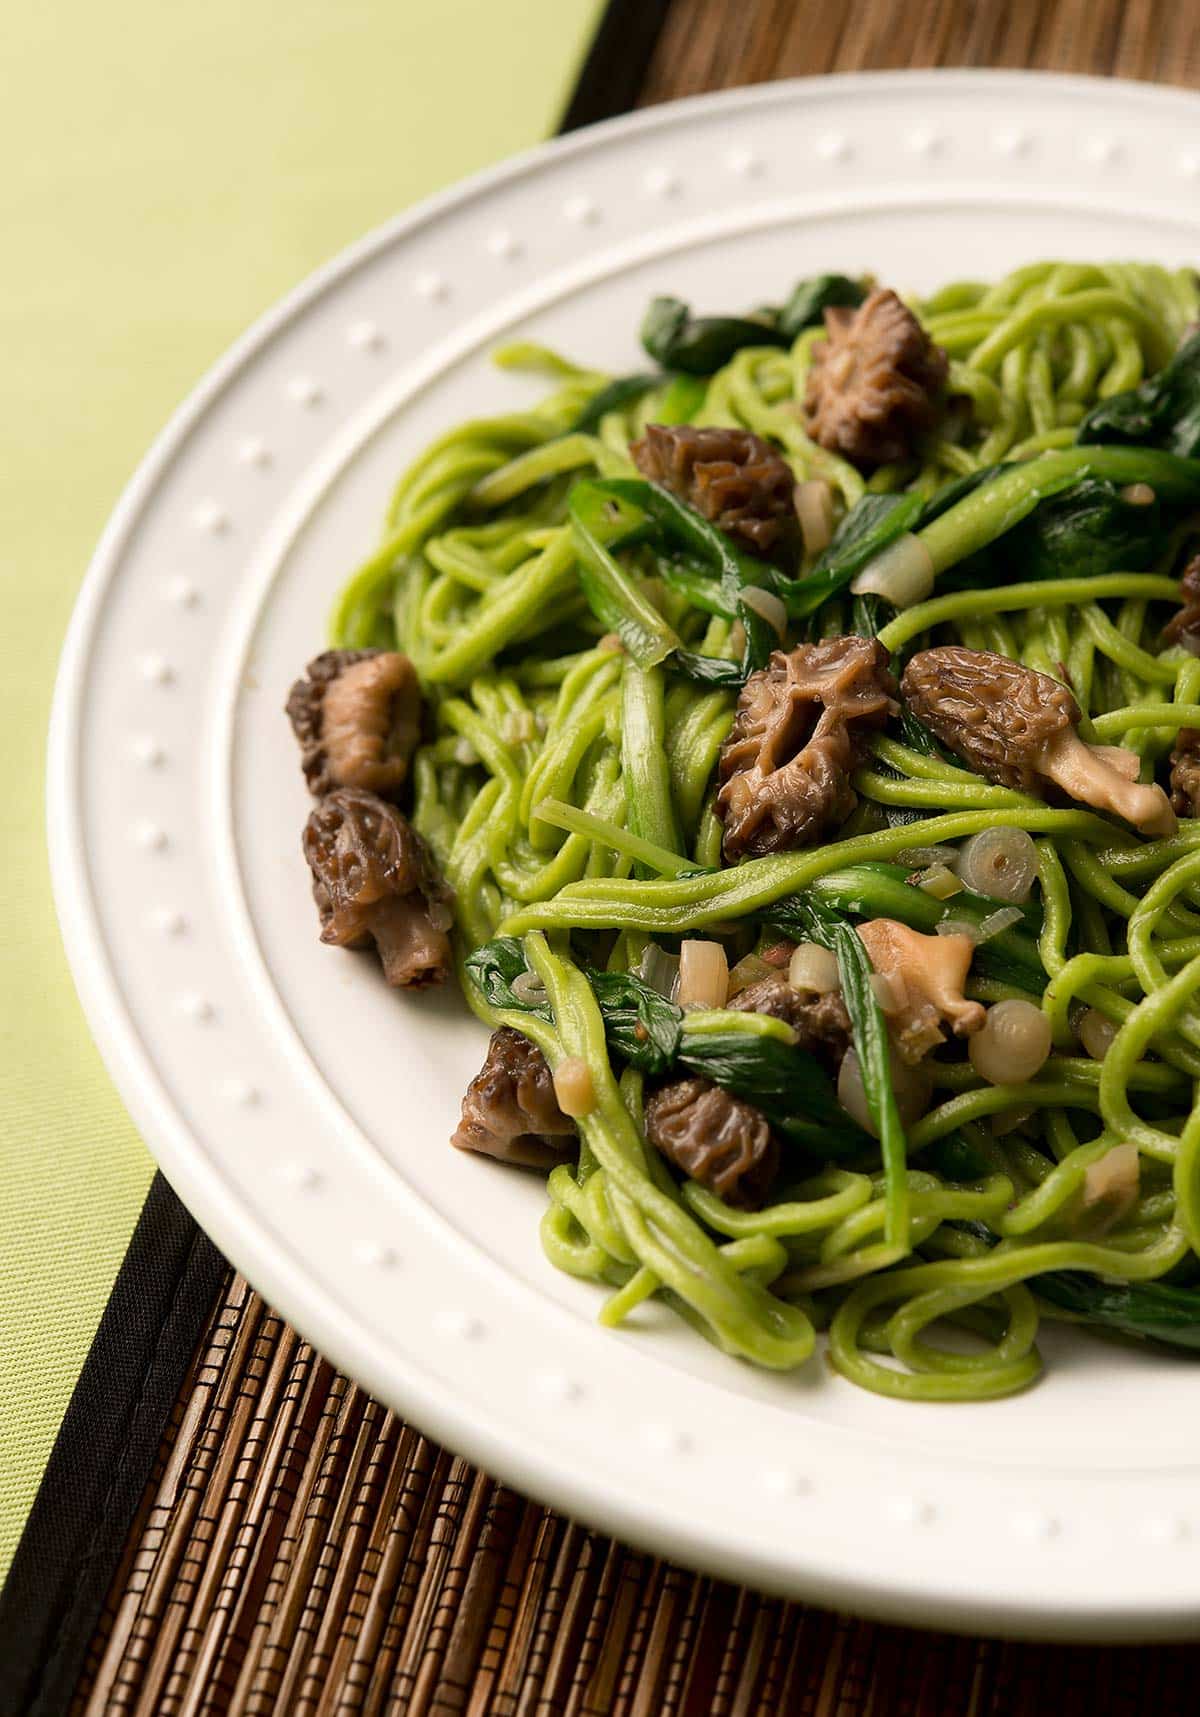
510 1111
1184 626
1185 773
374 881
357 716
1018 727
735 479
821 1023
800 730
876 384
717 1139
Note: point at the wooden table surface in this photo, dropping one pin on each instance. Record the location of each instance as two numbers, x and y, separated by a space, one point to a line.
301 1550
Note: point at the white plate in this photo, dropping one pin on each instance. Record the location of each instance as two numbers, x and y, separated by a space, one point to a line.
302 1110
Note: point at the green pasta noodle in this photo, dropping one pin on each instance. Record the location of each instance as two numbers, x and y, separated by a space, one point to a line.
582 635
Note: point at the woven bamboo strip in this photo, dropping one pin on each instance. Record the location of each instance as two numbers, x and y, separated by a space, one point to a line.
299 1551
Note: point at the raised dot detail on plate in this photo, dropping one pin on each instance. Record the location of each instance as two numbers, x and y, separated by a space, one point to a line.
183 592
557 1387
253 450
1166 1529
834 146
582 210
1012 142
151 837
156 670
169 921
431 286
662 182
745 163
301 1176
197 1008
366 336
1036 1527
785 1481
910 1511
504 245
242 1092
149 752
667 1440
1189 166
378 1255
1101 151
925 142
211 518
465 1325
305 391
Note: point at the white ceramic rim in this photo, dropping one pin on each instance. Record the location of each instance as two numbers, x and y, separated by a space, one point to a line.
896 1594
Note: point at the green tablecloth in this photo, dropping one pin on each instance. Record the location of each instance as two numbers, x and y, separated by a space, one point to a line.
169 171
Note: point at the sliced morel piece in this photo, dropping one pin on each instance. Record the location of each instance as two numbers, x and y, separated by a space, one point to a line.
715 1138
1185 773
1184 626
735 479
800 731
374 880
876 383
510 1111
821 1023
921 987
357 715
1018 728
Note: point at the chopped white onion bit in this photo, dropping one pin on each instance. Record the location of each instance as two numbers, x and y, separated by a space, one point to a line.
529 988
958 927
703 975
918 858
814 509
766 603
1110 1188
1001 863
814 969
1012 1045
1096 1033
913 1088
995 922
660 970
573 1087
902 573
520 727
748 971
940 882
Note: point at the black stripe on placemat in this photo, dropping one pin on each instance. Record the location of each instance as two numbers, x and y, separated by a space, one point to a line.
612 75
103 1455
171 1274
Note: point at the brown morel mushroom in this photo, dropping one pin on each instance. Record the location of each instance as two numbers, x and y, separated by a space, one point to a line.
821 1023
374 881
876 383
357 716
925 978
1017 727
1184 627
735 479
510 1111
1185 773
800 730
717 1139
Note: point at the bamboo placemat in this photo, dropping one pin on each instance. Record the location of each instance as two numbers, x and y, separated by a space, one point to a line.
300 1550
